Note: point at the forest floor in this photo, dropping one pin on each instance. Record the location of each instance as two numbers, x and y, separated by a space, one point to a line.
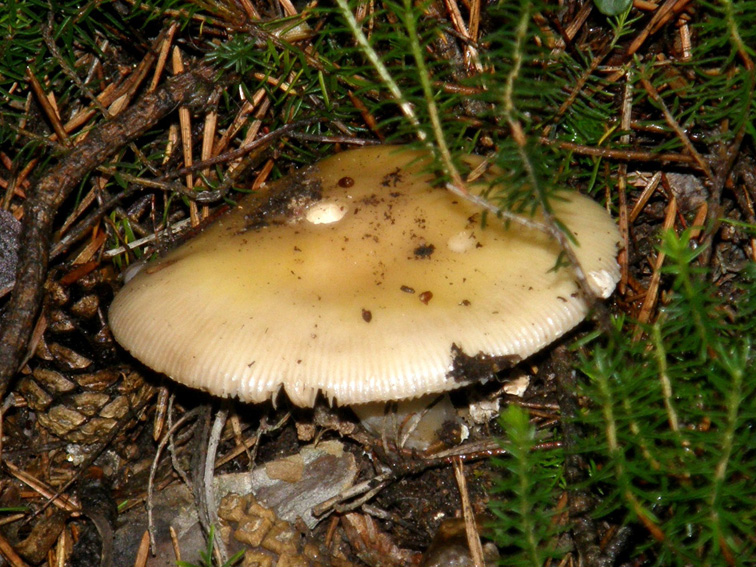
106 159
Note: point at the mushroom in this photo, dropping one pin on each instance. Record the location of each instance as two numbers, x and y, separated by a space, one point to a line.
356 278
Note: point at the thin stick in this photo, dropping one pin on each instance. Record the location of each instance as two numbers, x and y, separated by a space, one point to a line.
175 544
681 135
165 47
208 138
623 155
60 549
153 469
652 294
624 226
209 473
49 109
185 121
161 406
172 448
471 529
645 195
368 486
143 553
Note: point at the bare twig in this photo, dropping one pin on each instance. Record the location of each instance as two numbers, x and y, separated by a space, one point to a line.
624 225
681 135
153 469
471 528
208 488
623 155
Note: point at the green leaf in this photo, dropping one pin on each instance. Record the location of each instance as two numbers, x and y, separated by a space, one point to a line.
613 7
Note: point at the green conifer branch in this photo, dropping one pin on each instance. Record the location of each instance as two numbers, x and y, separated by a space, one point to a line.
693 376
439 135
672 416
524 509
380 68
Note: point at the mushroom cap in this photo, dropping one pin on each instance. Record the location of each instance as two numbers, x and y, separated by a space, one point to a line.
358 279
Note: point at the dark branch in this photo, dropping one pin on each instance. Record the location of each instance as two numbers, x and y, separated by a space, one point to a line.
54 186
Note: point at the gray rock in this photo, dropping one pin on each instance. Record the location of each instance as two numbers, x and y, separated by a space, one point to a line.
9 231
291 487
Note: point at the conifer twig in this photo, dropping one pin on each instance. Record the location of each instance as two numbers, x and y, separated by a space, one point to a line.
380 68
430 101
682 136
509 111
551 229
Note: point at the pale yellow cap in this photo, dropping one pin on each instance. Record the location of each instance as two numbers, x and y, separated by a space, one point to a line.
363 287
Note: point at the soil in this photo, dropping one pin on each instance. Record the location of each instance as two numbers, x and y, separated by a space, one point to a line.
82 420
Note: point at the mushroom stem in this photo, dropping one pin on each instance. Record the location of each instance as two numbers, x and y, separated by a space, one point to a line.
414 424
